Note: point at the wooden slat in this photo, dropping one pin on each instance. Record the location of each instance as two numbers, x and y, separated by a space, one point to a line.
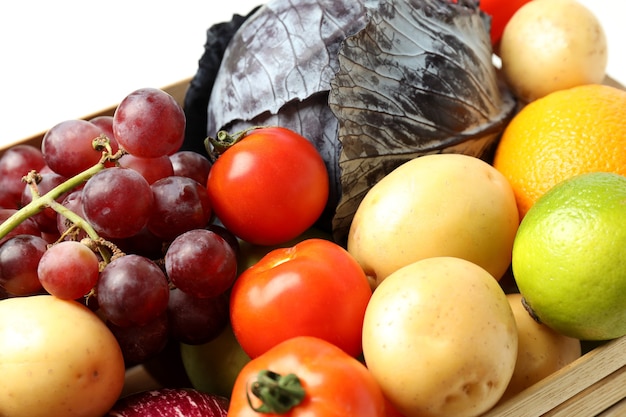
594 399
617 410
566 383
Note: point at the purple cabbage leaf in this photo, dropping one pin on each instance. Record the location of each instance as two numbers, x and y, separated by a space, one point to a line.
370 83
418 79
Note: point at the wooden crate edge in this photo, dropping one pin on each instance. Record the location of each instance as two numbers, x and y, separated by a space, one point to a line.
566 383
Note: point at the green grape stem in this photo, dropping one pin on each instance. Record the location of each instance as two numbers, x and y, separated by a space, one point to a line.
40 202
74 218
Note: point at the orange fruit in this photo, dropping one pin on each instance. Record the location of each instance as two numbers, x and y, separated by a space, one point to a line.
565 133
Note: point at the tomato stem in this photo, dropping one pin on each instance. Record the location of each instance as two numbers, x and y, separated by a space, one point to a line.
215 146
278 393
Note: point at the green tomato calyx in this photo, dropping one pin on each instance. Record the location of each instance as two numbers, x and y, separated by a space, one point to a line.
278 393
223 140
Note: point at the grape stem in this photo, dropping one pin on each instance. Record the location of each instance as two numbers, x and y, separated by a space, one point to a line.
79 222
40 202
74 218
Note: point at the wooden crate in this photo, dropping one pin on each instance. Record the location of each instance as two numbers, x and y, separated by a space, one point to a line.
593 385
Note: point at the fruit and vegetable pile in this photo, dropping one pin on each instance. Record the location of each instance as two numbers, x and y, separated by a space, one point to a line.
360 209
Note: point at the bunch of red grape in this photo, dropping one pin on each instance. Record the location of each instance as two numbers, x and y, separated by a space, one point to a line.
109 211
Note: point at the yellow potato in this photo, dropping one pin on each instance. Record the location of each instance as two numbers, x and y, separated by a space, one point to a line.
435 205
57 358
440 338
550 45
541 350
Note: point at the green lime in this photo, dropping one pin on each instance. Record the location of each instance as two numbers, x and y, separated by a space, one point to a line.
569 257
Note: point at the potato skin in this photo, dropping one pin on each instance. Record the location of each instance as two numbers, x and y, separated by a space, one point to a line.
57 358
435 205
440 338
550 45
541 350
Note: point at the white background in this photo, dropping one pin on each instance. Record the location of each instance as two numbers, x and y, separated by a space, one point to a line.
66 59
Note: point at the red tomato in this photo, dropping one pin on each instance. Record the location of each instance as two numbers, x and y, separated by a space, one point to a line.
306 377
315 288
501 12
391 411
269 187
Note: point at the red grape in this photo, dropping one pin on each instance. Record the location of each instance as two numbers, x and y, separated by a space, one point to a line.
140 343
19 258
192 165
117 202
27 227
132 290
4 294
16 162
68 270
73 202
105 123
227 235
91 302
68 147
180 204
152 169
201 263
149 123
143 243
47 218
196 320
